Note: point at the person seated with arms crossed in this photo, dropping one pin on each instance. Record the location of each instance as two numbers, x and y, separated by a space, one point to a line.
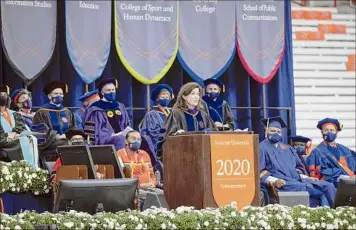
281 167
188 113
219 109
15 139
331 161
137 164
74 137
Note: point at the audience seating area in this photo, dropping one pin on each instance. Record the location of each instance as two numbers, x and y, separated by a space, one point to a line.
324 70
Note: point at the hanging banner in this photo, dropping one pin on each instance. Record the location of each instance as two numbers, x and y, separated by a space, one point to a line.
206 37
146 37
28 35
260 37
88 35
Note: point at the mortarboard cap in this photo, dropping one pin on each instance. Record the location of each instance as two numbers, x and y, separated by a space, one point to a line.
55 85
5 89
299 139
216 82
276 122
72 132
106 81
15 94
155 92
333 121
88 95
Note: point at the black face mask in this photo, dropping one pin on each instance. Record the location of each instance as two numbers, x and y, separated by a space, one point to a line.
3 100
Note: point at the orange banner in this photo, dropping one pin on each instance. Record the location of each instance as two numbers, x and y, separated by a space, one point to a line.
298 14
332 28
233 169
310 35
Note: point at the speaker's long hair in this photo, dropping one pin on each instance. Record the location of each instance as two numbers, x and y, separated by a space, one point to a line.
185 91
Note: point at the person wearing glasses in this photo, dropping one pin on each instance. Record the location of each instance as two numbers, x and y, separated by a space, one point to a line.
331 161
281 167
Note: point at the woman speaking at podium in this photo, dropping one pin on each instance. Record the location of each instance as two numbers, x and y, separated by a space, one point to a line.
187 113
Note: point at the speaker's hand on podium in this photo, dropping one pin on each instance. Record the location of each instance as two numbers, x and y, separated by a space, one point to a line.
179 131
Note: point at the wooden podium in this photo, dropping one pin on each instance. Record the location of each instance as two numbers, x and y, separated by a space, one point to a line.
211 169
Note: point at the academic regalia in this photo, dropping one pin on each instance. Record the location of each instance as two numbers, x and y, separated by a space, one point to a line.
188 121
328 162
282 162
56 118
79 114
108 118
220 111
301 139
25 145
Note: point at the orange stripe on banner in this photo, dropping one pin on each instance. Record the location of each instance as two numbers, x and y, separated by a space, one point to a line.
332 28
351 58
310 35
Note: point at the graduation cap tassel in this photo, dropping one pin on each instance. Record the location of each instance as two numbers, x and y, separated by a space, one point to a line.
86 88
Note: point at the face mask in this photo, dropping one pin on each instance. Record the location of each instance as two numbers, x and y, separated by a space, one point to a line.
213 95
27 104
274 137
57 100
3 100
163 102
135 145
300 150
110 96
78 143
329 137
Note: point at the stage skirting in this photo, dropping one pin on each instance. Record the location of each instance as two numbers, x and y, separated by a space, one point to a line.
12 203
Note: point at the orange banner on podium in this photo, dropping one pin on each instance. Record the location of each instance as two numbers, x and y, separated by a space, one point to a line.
233 169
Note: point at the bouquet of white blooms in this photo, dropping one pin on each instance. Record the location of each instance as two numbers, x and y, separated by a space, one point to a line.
20 177
269 217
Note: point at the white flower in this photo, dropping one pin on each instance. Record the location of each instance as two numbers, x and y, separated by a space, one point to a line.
233 214
19 173
174 226
5 170
27 169
206 223
34 175
329 226
303 226
13 189
123 226
47 191
139 226
163 226
69 224
36 193
43 179
323 225
17 227
330 215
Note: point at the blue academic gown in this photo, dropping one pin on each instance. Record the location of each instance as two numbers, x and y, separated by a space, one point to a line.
329 163
283 162
27 141
219 111
79 117
108 118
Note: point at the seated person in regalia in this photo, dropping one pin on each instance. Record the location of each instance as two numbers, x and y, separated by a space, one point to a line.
22 101
281 167
302 146
188 113
152 124
108 117
219 109
54 115
331 161
16 142
87 99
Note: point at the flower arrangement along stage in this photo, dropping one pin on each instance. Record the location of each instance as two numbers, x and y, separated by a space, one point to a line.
19 177
268 217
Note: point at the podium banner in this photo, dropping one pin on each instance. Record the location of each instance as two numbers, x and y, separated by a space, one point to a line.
28 35
260 37
146 37
206 37
233 169
88 36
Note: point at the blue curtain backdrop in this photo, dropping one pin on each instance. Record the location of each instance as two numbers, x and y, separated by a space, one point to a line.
242 90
